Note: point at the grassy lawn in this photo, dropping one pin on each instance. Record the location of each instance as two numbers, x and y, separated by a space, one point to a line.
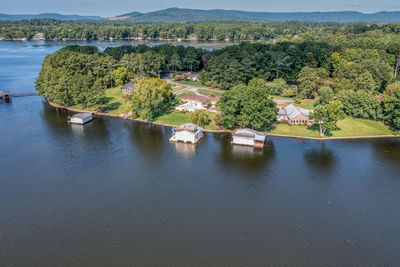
191 83
347 128
306 104
177 88
115 103
205 92
177 118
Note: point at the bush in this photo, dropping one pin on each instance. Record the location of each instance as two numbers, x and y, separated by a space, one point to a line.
199 117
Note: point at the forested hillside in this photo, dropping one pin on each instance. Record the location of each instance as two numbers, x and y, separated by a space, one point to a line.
354 65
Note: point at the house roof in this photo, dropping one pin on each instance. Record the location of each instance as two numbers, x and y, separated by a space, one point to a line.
201 98
292 111
249 133
81 115
188 127
129 86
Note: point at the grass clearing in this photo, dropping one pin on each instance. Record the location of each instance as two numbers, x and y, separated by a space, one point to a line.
192 83
205 92
349 127
306 104
176 117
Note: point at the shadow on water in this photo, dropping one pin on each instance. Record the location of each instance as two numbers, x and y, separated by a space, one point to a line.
388 149
245 158
57 121
320 158
146 137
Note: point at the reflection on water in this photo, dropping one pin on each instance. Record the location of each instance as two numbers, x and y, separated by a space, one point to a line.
320 158
388 149
148 138
187 150
246 158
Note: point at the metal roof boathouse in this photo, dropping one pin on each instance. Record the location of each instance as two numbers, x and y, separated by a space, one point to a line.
187 133
248 137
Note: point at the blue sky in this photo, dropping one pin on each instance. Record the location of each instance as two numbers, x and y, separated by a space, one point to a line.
116 7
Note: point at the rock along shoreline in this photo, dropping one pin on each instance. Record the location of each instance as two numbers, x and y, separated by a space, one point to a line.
222 131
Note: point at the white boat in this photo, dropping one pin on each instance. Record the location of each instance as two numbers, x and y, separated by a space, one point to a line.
80 118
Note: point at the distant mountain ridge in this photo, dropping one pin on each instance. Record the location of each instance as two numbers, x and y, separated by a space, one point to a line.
48 16
179 15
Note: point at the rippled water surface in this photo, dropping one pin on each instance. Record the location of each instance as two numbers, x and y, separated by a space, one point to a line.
116 192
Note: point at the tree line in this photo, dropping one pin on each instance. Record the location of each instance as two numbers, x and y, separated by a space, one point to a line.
232 31
362 80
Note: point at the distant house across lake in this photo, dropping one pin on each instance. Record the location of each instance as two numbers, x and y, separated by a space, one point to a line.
128 89
294 115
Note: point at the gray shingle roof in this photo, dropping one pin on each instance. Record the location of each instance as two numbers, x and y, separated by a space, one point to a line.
292 111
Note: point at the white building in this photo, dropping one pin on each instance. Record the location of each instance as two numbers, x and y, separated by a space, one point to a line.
248 137
187 133
195 102
128 89
81 118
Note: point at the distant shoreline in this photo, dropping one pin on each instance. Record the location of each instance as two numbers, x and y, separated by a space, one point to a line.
225 131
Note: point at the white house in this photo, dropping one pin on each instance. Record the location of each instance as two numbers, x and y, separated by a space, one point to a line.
194 102
128 89
81 118
193 77
187 133
248 137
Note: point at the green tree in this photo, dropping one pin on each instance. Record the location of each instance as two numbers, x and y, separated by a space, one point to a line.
391 106
325 95
247 106
199 117
366 82
327 116
309 78
152 96
121 76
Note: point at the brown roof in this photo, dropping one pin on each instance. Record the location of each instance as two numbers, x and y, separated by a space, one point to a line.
201 98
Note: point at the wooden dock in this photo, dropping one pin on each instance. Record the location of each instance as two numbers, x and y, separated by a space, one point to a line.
5 97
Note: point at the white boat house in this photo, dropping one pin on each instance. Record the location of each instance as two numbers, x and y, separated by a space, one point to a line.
187 133
248 137
81 118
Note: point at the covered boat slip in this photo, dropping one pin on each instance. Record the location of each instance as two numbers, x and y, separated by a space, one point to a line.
248 137
5 97
81 118
187 133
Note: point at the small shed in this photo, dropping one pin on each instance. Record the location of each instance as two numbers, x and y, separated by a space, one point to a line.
128 89
248 137
187 133
81 118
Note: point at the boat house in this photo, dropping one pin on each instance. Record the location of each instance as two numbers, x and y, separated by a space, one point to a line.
5 97
294 115
248 137
81 118
128 89
187 133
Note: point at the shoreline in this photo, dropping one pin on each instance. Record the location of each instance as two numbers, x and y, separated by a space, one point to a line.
226 131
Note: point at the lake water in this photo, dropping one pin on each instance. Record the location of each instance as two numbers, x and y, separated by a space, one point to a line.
116 192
